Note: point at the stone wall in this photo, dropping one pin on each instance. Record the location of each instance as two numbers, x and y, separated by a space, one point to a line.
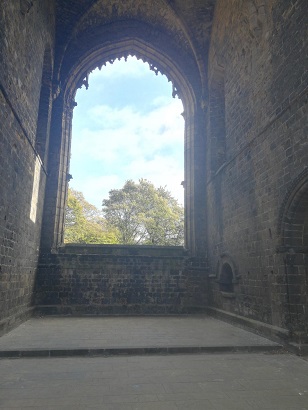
114 279
258 79
246 158
25 34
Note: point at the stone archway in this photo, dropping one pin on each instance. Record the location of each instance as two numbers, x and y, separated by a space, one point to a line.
182 72
294 246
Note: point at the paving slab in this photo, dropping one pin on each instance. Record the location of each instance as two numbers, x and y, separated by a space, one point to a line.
61 336
191 382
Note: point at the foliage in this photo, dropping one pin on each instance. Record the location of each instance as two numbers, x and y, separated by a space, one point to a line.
84 223
144 214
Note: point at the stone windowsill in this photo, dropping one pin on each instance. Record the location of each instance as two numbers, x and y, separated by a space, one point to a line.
230 295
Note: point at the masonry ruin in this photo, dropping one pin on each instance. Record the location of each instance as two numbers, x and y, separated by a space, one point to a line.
240 69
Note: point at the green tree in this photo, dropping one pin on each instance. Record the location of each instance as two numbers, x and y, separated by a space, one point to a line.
84 223
145 215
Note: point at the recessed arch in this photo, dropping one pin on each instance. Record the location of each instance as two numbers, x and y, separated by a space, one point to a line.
185 84
293 218
227 274
157 61
226 278
293 230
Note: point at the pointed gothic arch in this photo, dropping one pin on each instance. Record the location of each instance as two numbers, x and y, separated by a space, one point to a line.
293 230
74 76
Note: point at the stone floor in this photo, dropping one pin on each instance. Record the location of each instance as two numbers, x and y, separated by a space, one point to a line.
127 332
174 382
272 379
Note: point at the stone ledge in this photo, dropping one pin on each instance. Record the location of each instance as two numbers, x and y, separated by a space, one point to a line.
273 332
228 295
299 349
122 250
116 310
139 351
9 323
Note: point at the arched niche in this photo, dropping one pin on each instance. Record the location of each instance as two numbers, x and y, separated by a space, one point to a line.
293 221
186 84
293 230
226 278
227 275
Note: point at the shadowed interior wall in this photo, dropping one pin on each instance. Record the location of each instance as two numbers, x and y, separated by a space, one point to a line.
24 35
262 47
118 279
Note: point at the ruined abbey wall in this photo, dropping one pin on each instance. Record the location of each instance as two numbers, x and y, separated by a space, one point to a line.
25 34
257 148
240 67
115 279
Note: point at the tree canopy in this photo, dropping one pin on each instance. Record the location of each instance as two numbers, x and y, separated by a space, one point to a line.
144 214
84 223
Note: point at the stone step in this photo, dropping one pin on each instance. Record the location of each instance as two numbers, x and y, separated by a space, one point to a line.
123 250
140 351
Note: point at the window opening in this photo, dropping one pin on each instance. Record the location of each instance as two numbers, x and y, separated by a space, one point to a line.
126 126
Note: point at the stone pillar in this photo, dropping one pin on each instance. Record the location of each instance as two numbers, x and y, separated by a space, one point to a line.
195 183
56 187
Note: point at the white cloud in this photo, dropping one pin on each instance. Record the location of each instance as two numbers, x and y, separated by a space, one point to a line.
123 143
130 132
131 146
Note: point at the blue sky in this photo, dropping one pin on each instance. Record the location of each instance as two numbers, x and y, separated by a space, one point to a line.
126 126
